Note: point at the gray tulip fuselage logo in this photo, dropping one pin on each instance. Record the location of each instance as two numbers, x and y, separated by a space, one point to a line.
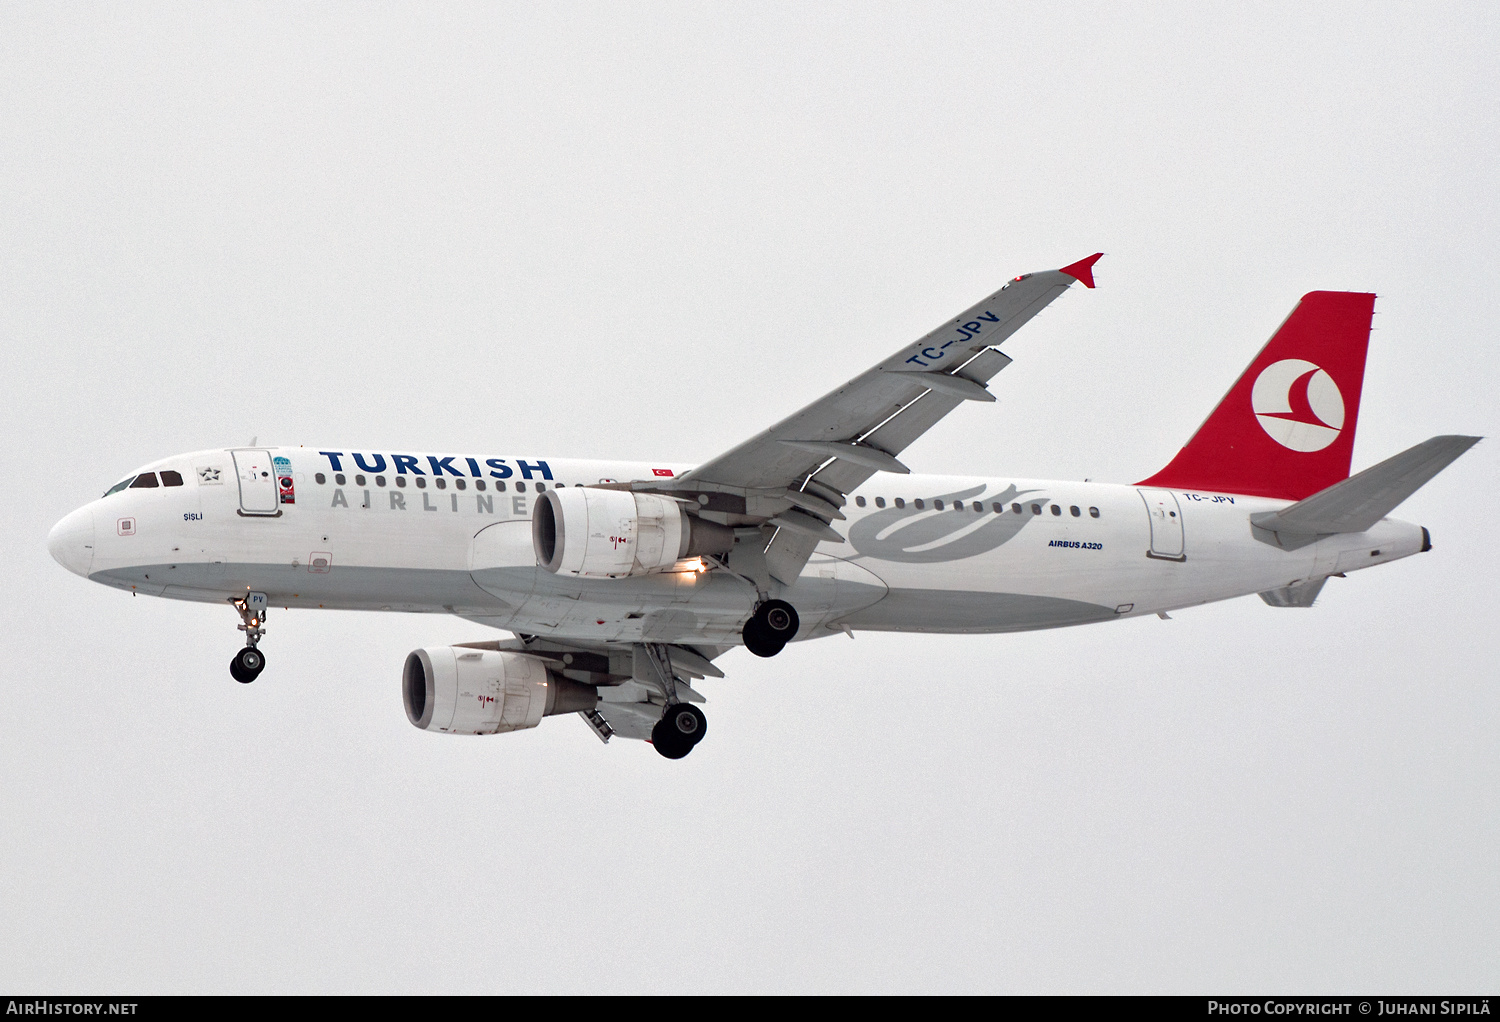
916 536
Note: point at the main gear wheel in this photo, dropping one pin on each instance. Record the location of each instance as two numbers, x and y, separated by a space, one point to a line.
770 628
681 727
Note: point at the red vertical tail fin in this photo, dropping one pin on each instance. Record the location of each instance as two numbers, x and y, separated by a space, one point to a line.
1286 427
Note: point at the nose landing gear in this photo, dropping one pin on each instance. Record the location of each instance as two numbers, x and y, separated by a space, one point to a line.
770 628
247 665
250 661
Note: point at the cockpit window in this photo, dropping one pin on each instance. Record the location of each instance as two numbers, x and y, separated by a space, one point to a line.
117 487
170 478
144 481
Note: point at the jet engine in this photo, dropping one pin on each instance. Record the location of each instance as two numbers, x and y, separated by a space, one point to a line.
596 533
462 691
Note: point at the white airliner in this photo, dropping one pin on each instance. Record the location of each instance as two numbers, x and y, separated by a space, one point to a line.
624 582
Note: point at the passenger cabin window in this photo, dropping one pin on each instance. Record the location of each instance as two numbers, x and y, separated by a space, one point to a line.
359 480
958 505
978 506
919 504
421 483
880 502
442 483
900 501
117 487
1074 511
458 484
520 487
540 487
170 478
500 487
401 481
999 508
380 480
320 478
859 502
1093 512
338 478
1036 509
937 504
1015 508
479 484
1056 510
144 481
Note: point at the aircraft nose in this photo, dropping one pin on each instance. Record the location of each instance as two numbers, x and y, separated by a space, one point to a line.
71 541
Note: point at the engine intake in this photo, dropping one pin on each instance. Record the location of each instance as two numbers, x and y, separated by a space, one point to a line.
596 533
464 691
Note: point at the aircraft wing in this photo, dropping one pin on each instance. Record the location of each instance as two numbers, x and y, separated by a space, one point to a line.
793 476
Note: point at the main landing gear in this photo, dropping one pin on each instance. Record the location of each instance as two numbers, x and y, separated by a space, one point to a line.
680 728
682 725
770 628
250 661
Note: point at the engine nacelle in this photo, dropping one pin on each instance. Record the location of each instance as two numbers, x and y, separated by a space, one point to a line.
595 533
462 691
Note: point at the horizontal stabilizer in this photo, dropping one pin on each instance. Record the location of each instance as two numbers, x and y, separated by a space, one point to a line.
1357 503
1300 595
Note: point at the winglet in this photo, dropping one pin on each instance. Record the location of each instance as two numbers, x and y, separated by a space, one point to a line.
1083 270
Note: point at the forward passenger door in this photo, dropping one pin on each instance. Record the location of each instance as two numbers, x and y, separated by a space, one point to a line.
258 494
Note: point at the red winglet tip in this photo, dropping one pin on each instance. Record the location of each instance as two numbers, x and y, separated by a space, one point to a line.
1083 270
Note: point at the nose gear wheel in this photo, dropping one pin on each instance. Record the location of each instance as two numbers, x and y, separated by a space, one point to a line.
247 665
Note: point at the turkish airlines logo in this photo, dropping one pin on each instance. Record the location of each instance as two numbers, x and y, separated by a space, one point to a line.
1298 405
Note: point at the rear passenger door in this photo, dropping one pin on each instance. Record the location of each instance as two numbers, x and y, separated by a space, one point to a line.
1166 525
257 483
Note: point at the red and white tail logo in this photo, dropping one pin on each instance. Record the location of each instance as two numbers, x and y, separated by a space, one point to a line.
1298 404
1286 428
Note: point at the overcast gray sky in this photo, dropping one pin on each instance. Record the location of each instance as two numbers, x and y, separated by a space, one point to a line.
649 231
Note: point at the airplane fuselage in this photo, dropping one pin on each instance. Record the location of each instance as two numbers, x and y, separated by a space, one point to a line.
452 534
624 581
